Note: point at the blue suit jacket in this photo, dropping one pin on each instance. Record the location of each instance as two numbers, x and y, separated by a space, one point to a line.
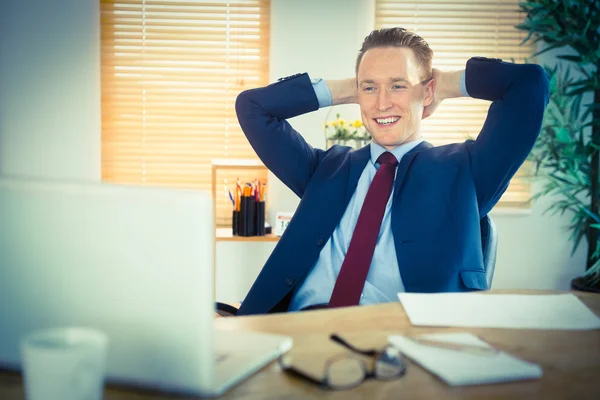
440 193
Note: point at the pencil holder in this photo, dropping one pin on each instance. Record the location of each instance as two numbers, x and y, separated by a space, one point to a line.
260 218
235 222
243 225
250 219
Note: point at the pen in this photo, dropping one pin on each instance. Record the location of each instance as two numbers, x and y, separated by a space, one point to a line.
228 192
475 349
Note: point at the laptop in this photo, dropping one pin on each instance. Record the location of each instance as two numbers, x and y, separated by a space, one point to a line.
134 262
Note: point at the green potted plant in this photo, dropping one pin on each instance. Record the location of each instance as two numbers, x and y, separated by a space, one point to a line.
567 152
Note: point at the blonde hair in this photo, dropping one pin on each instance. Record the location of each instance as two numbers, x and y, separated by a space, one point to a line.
399 37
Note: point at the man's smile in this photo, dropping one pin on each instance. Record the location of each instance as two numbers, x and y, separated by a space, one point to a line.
387 121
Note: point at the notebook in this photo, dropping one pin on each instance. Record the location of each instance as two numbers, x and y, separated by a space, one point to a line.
459 368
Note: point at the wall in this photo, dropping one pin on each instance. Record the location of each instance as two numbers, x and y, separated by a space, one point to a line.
49 88
50 120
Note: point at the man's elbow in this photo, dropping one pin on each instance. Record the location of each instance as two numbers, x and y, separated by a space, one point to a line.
242 104
539 81
245 108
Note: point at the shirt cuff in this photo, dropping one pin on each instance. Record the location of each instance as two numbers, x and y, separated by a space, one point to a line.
322 91
463 85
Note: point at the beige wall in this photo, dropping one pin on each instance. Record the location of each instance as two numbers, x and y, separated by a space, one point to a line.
50 88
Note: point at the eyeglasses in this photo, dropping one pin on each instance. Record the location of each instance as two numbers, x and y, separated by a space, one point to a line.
344 371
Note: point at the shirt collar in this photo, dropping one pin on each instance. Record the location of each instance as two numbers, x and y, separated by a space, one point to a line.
398 152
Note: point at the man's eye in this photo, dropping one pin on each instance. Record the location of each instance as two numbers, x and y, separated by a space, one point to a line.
398 87
368 89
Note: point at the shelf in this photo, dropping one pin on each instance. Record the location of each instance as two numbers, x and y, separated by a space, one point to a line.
225 235
237 164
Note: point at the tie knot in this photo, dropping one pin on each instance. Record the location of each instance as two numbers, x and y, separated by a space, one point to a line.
387 158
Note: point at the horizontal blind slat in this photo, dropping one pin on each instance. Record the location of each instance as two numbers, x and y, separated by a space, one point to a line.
170 73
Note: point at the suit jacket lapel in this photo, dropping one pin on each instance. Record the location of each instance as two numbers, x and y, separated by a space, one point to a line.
358 161
404 165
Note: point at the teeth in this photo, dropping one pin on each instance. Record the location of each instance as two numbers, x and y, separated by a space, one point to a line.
387 121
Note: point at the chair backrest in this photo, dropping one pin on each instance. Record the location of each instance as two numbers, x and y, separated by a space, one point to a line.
489 244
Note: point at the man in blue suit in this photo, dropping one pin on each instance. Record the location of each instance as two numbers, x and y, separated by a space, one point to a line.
399 214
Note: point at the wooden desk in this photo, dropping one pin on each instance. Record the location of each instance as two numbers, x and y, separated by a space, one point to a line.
570 359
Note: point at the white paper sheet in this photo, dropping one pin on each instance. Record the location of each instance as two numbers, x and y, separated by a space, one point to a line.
458 368
561 311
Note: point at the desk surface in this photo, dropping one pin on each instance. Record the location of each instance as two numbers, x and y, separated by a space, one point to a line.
570 359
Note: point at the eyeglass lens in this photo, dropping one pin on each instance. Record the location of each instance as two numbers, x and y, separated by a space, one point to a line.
344 372
389 364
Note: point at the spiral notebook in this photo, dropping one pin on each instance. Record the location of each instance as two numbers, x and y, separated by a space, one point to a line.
458 367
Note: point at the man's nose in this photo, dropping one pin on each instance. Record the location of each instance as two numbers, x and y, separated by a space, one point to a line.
383 100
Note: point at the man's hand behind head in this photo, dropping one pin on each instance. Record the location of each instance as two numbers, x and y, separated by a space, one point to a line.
446 86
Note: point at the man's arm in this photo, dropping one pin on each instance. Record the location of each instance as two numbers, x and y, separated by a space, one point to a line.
519 95
262 114
447 85
343 91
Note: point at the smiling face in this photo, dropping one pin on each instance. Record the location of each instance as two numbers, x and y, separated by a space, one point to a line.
391 95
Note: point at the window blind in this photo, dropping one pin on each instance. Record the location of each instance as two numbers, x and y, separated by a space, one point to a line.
456 31
171 71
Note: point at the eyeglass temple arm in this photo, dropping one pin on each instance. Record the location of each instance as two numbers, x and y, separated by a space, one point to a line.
338 339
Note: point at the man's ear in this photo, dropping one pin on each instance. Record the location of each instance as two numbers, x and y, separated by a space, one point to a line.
429 92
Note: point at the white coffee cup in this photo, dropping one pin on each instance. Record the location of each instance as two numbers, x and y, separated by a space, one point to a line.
64 364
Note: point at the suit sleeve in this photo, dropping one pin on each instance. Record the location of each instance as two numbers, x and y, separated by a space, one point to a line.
262 114
519 95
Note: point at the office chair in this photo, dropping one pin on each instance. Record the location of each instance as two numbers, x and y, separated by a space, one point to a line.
489 245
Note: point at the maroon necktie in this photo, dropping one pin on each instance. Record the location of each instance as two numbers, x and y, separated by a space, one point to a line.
351 280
